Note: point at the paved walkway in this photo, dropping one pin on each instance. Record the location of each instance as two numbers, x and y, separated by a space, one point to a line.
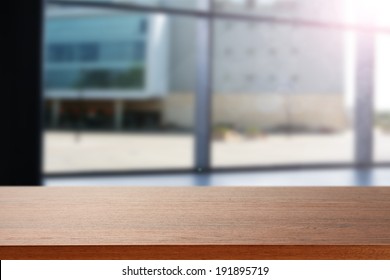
64 152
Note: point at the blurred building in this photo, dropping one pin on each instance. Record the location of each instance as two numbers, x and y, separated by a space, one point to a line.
101 67
107 69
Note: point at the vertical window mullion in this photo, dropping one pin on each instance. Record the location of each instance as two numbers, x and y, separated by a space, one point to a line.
365 92
203 89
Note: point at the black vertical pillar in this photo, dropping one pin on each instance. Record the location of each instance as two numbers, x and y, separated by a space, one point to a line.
20 113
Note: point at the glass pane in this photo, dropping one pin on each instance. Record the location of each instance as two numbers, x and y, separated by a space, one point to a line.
382 99
359 12
282 95
110 102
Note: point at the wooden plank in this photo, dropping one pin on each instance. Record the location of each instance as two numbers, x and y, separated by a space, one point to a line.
214 223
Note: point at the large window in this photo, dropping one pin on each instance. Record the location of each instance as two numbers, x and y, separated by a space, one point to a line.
280 95
209 84
114 81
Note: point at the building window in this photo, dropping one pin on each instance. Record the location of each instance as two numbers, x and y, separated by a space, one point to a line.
272 52
294 51
250 4
250 78
115 51
139 51
271 78
143 27
294 78
251 52
59 52
88 52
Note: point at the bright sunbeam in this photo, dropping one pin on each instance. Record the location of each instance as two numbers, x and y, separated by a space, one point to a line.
376 13
376 10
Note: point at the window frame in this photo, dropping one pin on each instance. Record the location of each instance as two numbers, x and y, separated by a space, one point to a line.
205 15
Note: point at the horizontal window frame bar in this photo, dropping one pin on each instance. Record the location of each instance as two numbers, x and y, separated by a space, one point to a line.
219 15
194 171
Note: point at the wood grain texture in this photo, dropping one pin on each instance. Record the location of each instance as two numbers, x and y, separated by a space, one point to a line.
187 223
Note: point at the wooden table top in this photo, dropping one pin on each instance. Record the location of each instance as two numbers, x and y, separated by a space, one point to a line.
117 218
